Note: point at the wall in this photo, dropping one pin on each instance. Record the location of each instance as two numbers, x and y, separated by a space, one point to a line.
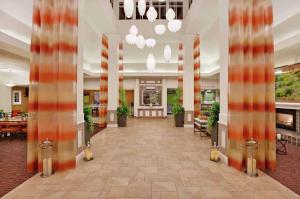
5 98
23 107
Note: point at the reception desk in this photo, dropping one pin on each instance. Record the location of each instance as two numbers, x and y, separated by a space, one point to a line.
153 112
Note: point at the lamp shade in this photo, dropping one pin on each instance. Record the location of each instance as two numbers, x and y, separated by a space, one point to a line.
167 53
151 63
150 43
170 14
133 30
151 14
142 7
128 8
131 39
160 29
140 42
174 25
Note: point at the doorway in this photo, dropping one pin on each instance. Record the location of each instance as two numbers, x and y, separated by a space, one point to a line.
130 101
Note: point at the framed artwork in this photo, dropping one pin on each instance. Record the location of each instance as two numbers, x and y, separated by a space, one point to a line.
17 97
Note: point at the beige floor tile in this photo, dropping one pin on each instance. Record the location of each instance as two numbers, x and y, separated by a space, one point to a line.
151 159
163 186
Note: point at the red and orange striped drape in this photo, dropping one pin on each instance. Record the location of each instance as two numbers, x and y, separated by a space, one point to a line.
251 82
103 82
180 68
197 87
121 66
52 97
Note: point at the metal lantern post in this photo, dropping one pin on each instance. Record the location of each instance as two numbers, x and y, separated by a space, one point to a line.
252 147
46 147
214 153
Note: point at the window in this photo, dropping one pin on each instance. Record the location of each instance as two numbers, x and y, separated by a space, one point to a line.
17 97
178 9
160 8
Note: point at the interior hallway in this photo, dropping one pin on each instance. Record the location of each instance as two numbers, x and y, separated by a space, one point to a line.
151 159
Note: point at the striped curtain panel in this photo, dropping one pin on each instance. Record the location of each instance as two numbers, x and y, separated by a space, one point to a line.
197 87
121 66
180 69
251 100
52 97
103 82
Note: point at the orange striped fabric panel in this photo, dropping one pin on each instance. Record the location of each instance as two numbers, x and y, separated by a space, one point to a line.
53 74
103 82
251 99
197 86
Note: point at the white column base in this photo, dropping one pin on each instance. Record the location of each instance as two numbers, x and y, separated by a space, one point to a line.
112 125
80 118
223 158
188 126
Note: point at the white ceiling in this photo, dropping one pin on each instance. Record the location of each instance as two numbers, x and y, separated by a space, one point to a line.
98 18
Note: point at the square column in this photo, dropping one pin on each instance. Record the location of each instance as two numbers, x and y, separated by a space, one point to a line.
224 55
113 80
188 80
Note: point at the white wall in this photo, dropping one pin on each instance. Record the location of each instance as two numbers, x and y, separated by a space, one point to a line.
5 98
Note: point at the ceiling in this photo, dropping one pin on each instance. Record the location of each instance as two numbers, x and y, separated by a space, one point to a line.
202 18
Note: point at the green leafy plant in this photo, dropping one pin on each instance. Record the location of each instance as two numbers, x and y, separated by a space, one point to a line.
213 115
123 109
177 107
88 117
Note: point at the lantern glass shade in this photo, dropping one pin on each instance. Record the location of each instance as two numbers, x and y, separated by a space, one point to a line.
151 14
128 8
150 43
133 30
151 63
167 53
160 29
142 7
174 25
131 39
170 14
140 42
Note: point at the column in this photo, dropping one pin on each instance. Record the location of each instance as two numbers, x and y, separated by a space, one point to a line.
113 80
80 61
188 80
136 97
164 97
223 35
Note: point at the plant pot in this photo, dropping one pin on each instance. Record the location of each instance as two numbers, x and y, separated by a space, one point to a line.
179 120
122 120
214 135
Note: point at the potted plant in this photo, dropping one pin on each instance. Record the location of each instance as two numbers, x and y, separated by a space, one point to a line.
89 124
123 110
212 122
178 109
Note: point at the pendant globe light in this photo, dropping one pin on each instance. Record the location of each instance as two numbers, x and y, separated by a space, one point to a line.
174 25
133 30
151 63
150 43
128 8
167 53
160 29
151 14
131 39
170 15
140 42
142 7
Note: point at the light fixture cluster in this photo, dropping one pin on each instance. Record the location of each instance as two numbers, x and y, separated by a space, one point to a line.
174 25
134 39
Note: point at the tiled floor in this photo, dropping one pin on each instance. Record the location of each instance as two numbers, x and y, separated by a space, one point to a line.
151 159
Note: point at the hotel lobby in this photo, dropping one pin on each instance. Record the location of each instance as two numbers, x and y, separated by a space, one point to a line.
162 99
